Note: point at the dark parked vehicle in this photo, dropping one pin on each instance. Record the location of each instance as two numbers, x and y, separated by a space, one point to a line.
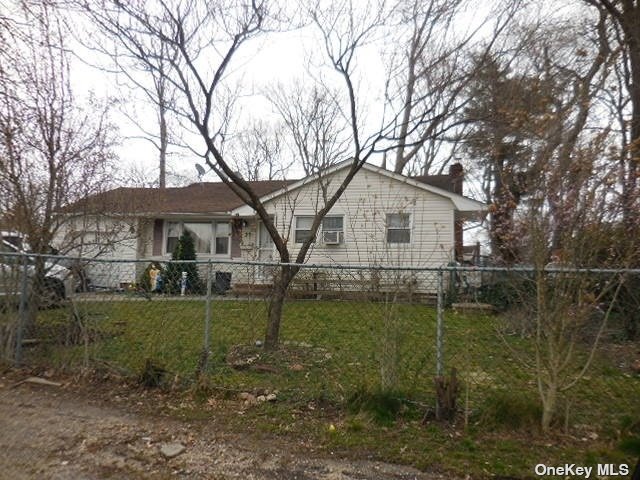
57 281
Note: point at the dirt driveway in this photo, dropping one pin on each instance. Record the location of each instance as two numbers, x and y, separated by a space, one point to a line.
58 432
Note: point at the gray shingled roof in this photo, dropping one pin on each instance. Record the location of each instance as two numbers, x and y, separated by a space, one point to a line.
197 198
206 197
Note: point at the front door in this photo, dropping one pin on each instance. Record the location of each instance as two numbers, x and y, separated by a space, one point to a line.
266 250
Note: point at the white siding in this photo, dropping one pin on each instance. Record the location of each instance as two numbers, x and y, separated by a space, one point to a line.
104 238
364 206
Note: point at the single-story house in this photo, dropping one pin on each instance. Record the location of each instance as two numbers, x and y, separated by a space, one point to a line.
382 218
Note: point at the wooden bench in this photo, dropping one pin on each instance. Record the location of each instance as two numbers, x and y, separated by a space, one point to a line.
320 286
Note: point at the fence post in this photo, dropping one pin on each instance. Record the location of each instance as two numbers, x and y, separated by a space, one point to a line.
439 338
207 321
22 309
439 326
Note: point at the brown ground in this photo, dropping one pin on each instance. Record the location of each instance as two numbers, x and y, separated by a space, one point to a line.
85 431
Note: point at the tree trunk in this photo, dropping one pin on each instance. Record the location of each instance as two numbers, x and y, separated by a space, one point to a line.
549 402
630 25
164 141
447 391
280 287
504 203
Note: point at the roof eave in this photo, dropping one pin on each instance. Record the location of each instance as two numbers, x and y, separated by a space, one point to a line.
244 210
461 203
187 214
150 214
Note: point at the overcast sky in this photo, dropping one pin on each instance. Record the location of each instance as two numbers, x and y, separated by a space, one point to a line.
272 59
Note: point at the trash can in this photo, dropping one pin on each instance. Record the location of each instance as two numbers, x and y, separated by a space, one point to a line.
222 282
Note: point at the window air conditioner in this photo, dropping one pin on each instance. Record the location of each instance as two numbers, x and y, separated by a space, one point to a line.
332 237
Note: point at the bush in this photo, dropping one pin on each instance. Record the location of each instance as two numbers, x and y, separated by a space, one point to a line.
507 293
511 410
384 407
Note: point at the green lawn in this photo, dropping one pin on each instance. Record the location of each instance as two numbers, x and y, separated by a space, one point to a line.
328 372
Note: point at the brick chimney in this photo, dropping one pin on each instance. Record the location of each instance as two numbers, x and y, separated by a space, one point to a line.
456 173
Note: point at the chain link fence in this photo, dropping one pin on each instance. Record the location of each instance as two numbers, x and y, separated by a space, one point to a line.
485 346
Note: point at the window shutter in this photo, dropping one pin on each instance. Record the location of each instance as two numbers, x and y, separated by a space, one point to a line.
158 225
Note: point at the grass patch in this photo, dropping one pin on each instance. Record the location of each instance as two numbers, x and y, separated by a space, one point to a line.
505 409
327 373
383 407
630 445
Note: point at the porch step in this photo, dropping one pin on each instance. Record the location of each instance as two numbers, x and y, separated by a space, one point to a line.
257 289
473 307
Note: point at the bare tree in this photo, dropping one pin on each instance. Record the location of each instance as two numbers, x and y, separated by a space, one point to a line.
530 108
52 152
568 310
566 206
624 16
257 153
316 124
430 67
160 95
132 64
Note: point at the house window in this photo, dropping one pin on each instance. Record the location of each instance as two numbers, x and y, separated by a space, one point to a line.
398 228
334 224
208 237
222 238
332 229
303 229
201 234
173 234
